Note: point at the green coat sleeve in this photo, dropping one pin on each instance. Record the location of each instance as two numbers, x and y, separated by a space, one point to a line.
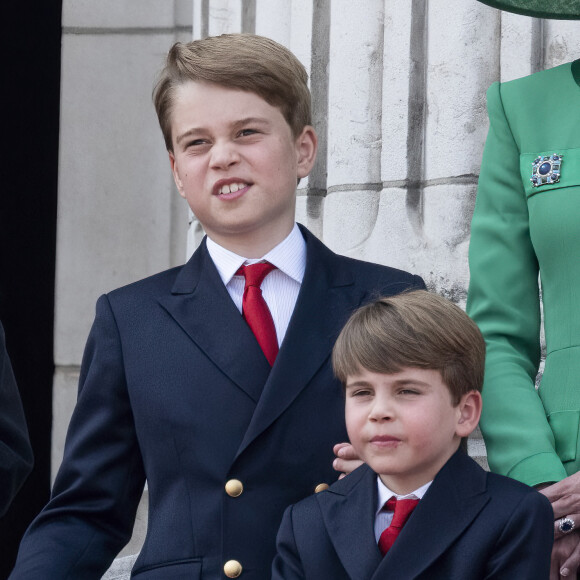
504 301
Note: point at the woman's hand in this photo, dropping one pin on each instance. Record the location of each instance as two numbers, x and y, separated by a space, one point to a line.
565 499
565 496
347 459
565 557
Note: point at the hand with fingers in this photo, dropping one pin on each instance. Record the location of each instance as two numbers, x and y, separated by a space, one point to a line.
347 459
565 556
564 496
565 499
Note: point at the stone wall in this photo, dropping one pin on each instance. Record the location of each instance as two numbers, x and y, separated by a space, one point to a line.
119 216
399 104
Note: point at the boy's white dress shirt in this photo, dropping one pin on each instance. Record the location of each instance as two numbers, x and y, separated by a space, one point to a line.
384 518
280 288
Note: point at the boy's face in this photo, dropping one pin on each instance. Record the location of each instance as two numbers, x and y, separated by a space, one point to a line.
404 425
237 163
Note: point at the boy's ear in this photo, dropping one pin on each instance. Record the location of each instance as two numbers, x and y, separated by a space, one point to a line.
306 148
469 412
175 172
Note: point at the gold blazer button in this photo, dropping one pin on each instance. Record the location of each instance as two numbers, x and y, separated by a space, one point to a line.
234 488
232 568
321 487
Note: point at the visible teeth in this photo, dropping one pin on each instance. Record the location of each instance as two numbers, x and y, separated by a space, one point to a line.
231 188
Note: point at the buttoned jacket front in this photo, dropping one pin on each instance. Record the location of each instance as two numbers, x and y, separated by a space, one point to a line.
175 389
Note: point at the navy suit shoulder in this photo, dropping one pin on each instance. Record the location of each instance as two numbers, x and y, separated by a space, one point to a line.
381 272
511 490
373 275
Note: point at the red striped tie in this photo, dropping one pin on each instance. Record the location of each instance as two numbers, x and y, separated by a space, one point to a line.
402 509
255 310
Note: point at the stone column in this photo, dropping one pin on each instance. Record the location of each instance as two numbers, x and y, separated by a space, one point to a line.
119 217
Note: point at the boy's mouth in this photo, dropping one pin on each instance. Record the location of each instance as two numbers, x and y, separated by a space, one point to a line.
231 187
386 440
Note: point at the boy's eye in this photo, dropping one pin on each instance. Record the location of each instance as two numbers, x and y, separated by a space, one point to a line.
409 392
361 393
247 132
195 144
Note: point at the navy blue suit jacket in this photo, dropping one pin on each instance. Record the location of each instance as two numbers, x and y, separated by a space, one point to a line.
175 389
15 451
470 524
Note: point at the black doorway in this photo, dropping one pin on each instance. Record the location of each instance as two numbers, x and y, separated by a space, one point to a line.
30 95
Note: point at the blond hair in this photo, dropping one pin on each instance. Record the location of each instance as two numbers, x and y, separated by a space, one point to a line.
245 62
415 329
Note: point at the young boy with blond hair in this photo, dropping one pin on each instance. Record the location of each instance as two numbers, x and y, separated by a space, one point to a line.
212 381
420 508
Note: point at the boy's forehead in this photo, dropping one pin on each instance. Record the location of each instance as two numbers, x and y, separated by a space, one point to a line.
194 98
404 375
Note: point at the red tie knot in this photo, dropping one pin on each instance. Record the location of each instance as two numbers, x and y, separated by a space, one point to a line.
255 273
402 509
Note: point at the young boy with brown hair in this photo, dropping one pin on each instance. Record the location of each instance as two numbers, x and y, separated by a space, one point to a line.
212 381
412 370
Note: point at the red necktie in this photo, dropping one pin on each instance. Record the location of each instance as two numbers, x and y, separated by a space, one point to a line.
402 509
255 310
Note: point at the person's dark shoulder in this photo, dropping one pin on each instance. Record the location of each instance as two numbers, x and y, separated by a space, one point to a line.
381 277
510 492
309 510
162 282
139 299
381 280
368 275
351 483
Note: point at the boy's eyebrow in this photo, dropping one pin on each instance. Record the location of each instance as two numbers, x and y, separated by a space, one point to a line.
251 120
357 384
239 123
404 382
398 383
188 133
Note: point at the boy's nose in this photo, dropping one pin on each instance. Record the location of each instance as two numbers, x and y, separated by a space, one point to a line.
224 155
382 410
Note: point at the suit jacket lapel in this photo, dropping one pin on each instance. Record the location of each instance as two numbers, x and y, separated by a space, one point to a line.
201 305
457 494
348 510
327 295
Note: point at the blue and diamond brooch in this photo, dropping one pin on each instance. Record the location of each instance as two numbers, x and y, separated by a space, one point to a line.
546 169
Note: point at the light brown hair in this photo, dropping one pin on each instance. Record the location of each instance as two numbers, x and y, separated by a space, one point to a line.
245 62
415 329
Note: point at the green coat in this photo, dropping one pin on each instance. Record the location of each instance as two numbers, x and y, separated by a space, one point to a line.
520 231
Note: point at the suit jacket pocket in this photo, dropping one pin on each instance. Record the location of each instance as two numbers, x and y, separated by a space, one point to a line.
564 425
176 570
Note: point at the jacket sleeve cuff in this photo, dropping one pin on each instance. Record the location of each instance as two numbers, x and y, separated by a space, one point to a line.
539 468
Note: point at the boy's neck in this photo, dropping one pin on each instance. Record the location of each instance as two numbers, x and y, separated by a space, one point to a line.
255 244
403 487
405 483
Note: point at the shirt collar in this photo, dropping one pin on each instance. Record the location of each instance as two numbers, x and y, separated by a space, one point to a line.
386 494
289 256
